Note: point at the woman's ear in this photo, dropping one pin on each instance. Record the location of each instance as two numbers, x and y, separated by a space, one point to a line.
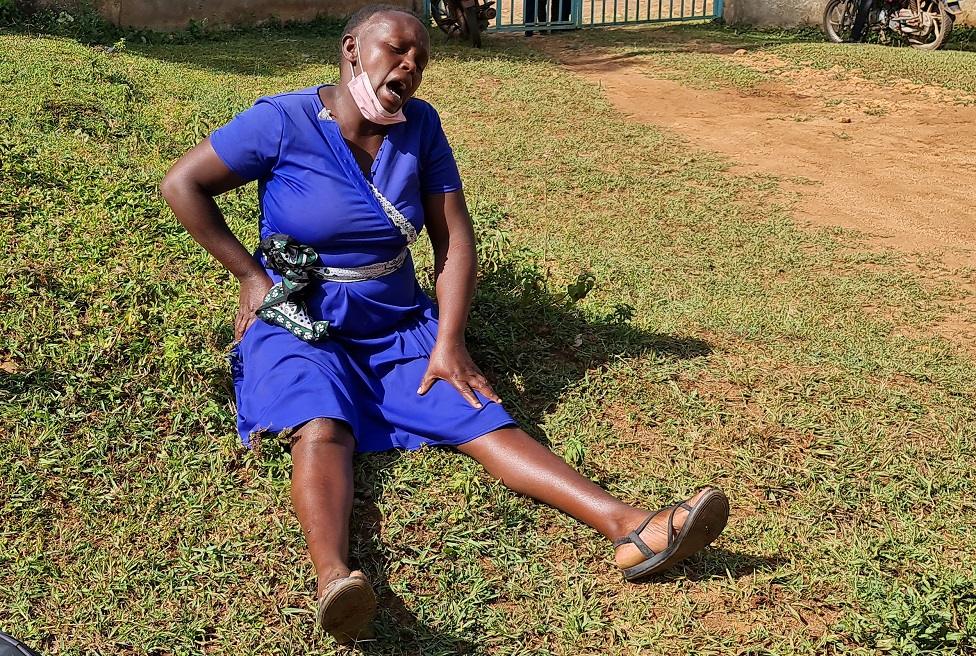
349 49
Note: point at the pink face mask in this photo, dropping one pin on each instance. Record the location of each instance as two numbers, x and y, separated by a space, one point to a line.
365 98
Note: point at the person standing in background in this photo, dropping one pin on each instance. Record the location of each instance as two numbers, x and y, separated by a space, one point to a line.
537 11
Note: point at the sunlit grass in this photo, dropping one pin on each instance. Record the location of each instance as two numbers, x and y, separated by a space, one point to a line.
134 523
699 55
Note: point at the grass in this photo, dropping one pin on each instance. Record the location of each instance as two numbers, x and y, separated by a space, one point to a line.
950 69
720 344
699 54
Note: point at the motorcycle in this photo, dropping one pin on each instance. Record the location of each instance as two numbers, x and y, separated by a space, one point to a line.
922 24
465 19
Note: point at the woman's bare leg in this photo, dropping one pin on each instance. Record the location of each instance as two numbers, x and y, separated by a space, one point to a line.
527 467
322 492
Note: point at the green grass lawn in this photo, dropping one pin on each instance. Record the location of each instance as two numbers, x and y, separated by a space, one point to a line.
697 54
798 370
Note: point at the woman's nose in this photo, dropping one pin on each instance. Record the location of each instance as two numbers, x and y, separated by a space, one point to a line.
408 63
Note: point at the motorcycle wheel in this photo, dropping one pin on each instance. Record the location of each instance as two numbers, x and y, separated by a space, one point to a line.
11 646
472 26
446 19
838 20
942 28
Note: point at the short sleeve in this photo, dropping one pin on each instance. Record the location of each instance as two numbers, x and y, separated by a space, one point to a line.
250 143
438 170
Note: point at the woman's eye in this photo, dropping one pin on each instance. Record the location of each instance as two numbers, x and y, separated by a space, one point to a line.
398 50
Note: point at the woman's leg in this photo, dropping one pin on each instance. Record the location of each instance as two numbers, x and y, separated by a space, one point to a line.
529 468
321 490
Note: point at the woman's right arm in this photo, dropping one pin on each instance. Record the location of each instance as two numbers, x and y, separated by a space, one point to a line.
189 188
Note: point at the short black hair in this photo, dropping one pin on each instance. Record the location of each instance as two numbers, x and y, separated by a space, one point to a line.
366 13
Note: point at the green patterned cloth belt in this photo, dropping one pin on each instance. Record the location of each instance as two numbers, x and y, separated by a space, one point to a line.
299 266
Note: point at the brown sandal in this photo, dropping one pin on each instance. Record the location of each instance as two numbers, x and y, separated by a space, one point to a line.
346 607
705 522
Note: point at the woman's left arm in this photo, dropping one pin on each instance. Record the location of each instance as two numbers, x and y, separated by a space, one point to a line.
455 274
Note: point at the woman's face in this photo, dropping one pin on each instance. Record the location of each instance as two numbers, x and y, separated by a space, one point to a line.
393 50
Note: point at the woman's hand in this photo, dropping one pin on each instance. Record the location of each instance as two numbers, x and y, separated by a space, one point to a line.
253 290
454 365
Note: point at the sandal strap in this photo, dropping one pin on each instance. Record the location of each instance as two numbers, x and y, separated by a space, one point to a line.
675 508
634 536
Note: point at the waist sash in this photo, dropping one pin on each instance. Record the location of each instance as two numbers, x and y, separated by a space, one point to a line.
299 265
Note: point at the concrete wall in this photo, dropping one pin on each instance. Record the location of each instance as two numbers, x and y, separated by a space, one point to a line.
176 14
791 13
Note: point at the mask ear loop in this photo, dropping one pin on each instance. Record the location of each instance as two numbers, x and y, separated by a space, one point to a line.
351 66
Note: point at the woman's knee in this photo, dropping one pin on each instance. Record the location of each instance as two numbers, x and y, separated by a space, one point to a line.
319 432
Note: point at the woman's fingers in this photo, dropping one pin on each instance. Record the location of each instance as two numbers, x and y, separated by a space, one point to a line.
242 321
246 324
425 384
466 383
481 384
463 388
466 392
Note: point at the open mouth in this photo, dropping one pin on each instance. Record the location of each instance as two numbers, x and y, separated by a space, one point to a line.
397 89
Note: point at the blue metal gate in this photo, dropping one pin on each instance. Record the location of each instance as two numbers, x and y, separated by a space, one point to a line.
535 15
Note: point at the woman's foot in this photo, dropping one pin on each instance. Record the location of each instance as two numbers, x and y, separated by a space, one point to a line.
346 606
329 575
655 534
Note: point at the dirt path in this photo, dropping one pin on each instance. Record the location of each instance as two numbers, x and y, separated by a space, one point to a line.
896 163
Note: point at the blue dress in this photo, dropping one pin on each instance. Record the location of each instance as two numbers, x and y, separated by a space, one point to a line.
367 370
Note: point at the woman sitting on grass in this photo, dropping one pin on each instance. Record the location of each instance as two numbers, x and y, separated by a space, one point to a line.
350 354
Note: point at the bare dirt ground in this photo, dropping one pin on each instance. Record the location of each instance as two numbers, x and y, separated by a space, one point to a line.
895 162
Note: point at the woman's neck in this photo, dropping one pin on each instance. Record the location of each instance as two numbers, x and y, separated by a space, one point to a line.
340 104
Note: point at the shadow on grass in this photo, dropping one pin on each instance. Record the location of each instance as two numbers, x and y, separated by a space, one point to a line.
535 343
268 51
396 628
15 382
277 53
249 54
713 563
